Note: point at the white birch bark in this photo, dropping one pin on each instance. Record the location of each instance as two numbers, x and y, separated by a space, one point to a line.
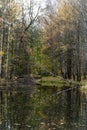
8 43
1 45
7 57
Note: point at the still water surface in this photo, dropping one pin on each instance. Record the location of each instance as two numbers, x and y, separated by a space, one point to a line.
43 109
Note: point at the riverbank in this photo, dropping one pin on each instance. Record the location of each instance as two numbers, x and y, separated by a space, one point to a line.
56 81
18 82
48 81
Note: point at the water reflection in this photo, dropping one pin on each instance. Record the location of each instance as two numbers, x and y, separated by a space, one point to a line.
43 109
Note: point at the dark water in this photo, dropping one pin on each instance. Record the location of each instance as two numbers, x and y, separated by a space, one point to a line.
43 109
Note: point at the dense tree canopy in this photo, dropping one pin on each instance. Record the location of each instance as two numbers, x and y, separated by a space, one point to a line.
49 41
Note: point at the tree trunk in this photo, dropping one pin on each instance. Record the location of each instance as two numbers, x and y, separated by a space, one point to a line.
7 59
2 36
78 55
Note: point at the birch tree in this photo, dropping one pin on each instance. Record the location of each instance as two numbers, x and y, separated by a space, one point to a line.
2 35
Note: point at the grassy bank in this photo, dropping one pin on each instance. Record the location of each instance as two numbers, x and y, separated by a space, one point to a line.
46 81
83 82
55 81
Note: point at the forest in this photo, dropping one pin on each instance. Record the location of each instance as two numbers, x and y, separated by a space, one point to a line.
48 40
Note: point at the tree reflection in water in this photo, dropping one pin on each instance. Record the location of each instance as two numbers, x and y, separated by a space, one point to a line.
43 109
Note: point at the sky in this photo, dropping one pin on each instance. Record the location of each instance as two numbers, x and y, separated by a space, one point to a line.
37 2
36 5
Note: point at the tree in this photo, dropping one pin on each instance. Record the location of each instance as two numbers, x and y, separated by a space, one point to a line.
18 22
65 32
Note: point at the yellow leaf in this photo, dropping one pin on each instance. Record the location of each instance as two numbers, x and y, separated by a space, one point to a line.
1 53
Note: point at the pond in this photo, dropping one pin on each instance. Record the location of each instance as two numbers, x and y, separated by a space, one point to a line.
43 109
